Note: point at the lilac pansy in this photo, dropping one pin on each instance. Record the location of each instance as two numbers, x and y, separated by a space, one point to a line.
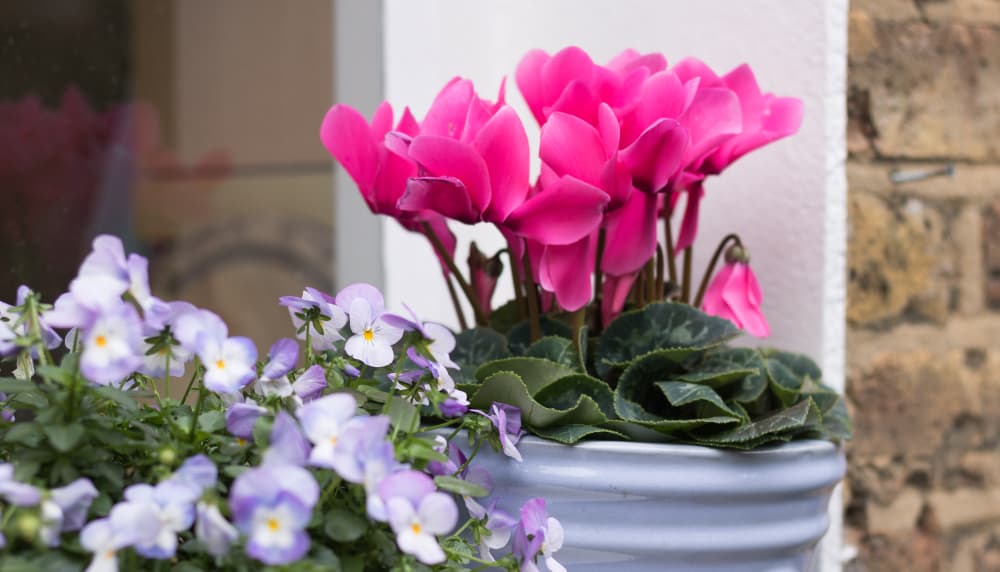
418 514
212 529
272 505
333 317
323 422
373 337
537 534
507 421
288 446
112 345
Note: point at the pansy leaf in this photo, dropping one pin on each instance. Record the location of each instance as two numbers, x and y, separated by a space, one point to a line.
659 326
508 387
475 347
565 392
536 372
459 486
570 434
403 415
519 337
64 437
554 348
344 525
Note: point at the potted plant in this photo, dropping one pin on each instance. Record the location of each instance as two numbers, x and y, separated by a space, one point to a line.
611 338
380 441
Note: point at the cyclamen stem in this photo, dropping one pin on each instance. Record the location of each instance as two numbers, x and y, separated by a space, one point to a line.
711 266
599 277
515 274
534 316
455 303
686 286
463 284
660 287
668 235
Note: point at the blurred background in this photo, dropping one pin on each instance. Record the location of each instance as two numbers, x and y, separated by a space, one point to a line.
189 127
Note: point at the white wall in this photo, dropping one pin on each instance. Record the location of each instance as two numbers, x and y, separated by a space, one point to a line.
787 201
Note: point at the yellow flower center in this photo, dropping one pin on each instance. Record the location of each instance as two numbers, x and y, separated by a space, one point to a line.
101 341
273 525
416 528
241 441
109 554
368 334
333 440
221 364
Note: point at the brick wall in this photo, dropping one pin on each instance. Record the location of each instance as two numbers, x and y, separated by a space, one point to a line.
924 285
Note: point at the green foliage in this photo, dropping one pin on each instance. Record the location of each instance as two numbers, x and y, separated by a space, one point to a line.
661 373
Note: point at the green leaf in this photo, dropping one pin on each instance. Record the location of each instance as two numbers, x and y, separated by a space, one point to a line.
122 398
659 326
519 337
344 525
680 393
723 367
55 373
784 383
570 434
508 387
417 448
836 422
583 345
403 415
27 434
12 386
769 428
460 487
639 400
64 437
801 365
506 317
475 347
211 421
565 392
535 372
556 349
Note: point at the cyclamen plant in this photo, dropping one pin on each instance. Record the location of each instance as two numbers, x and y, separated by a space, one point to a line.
318 463
609 333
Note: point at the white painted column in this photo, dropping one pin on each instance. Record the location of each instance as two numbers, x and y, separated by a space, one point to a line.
787 201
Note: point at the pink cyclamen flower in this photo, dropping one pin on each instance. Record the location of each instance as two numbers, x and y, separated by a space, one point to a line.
734 294
380 174
570 82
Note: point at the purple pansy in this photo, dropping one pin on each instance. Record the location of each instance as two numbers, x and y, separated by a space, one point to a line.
537 534
499 526
112 345
150 518
66 509
99 537
323 422
507 421
241 416
373 338
288 446
281 359
309 385
272 505
14 492
335 317
418 514
229 362
213 530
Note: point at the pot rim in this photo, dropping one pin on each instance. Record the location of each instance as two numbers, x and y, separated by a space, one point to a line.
791 448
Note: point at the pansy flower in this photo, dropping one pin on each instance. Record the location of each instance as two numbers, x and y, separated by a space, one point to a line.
373 337
332 318
272 505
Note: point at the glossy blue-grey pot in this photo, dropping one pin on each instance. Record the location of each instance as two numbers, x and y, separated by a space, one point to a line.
639 507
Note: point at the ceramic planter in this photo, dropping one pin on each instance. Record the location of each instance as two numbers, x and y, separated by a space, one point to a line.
638 507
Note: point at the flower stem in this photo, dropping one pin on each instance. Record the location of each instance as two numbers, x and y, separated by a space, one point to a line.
515 275
711 266
462 283
660 287
36 331
190 384
455 303
599 278
668 235
686 286
197 412
534 319
465 465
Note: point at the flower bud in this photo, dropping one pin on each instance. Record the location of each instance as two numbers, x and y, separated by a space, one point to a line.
737 253
27 525
168 456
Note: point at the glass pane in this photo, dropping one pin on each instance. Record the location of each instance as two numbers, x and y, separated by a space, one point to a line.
188 128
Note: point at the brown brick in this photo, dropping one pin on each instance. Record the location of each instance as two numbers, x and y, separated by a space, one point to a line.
933 89
991 254
888 9
913 552
894 260
978 12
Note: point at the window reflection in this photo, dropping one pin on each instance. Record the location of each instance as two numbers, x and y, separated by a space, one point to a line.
186 127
